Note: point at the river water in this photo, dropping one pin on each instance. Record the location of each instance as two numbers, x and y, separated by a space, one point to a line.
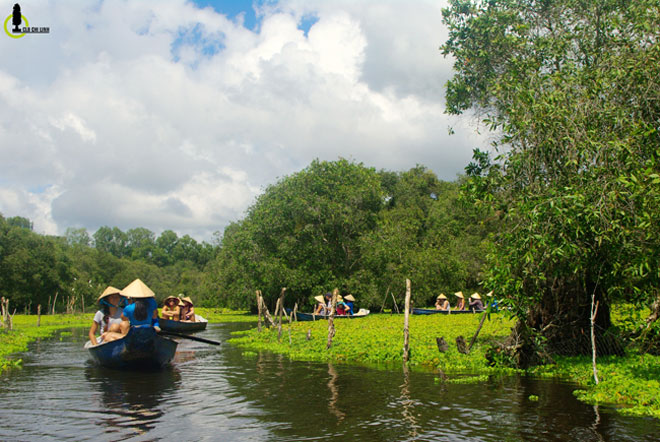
222 393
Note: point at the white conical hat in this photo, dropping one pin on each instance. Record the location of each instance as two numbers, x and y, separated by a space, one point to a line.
489 294
475 295
138 289
459 294
110 291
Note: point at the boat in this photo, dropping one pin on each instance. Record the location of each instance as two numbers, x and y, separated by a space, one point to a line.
312 317
183 327
429 311
141 348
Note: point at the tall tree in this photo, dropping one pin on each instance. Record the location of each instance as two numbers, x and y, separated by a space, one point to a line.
572 90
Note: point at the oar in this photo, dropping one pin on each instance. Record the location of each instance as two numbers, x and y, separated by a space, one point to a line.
192 338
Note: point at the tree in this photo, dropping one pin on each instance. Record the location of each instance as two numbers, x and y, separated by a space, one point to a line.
571 88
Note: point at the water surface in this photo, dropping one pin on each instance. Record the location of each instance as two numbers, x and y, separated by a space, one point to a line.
221 393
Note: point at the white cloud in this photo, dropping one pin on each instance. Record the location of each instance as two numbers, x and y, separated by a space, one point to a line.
162 115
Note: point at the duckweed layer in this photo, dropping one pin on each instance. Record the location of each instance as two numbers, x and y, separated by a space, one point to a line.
378 339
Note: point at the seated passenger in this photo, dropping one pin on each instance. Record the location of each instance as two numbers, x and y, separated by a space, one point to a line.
108 319
441 302
342 309
461 301
171 309
187 310
320 305
142 310
349 300
475 302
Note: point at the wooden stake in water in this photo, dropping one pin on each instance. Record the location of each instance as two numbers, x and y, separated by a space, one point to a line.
280 303
39 315
258 293
331 318
406 338
295 307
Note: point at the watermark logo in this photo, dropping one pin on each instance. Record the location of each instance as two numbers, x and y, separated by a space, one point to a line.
18 19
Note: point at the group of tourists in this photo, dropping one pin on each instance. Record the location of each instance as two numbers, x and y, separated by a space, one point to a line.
343 307
178 308
474 302
133 306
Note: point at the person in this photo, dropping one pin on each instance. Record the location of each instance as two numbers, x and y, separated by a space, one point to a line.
461 301
342 309
142 310
108 319
171 309
441 302
475 302
187 310
349 300
320 306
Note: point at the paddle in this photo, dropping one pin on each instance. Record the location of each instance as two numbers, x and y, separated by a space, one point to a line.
192 338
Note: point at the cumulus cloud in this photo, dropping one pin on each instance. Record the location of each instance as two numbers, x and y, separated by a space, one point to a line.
167 116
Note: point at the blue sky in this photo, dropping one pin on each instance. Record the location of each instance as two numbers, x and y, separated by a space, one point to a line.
167 114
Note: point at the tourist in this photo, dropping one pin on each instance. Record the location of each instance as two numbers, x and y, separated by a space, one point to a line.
108 319
475 302
171 308
349 300
142 310
461 301
187 310
441 302
320 305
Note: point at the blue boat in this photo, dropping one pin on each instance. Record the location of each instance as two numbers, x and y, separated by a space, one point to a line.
312 317
183 326
429 311
141 348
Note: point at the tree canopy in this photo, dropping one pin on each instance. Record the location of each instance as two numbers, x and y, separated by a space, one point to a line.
571 88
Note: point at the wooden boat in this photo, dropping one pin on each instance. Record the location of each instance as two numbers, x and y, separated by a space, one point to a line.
141 348
429 311
183 327
312 317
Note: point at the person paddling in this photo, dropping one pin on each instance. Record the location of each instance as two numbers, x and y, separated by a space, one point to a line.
108 319
142 310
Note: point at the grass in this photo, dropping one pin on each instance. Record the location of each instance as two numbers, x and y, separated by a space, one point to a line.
378 340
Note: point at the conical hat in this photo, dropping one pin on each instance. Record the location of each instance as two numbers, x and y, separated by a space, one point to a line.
349 298
475 295
171 297
489 294
138 289
459 294
441 296
109 291
319 298
187 299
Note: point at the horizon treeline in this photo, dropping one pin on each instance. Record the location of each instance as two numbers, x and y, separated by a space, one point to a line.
333 224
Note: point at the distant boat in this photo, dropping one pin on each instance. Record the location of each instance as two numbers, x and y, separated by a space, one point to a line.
183 327
141 348
429 311
312 317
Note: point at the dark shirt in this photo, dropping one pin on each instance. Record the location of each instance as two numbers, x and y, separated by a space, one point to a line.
477 304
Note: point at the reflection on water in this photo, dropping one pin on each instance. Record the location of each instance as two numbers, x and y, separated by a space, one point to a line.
134 404
220 393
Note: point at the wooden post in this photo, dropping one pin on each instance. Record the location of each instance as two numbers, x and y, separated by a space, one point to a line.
258 293
481 324
395 305
594 311
267 313
54 302
48 306
291 319
309 334
387 292
280 303
39 315
331 318
406 337
442 344
279 323
295 310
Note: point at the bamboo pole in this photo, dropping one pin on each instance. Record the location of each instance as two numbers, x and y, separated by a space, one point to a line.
295 307
406 337
331 318
258 293
280 303
295 310
267 313
39 315
481 324
395 304
54 302
594 311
